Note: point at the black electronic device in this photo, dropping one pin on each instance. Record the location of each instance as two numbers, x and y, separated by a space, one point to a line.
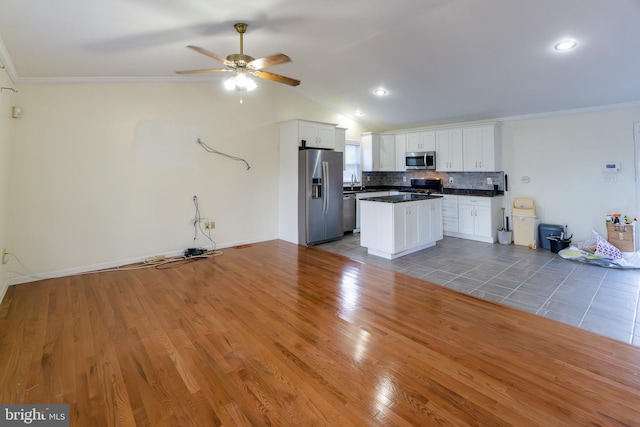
191 252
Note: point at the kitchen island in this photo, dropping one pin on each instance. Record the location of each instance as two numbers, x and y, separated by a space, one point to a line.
394 226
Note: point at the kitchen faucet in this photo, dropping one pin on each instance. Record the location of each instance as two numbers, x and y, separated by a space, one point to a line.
353 180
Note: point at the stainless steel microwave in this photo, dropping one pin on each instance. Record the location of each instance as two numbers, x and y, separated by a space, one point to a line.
420 160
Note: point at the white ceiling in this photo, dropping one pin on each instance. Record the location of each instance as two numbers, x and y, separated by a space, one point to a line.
441 60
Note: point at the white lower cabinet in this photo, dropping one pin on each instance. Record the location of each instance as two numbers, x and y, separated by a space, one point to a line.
406 224
449 214
435 221
364 196
479 218
391 230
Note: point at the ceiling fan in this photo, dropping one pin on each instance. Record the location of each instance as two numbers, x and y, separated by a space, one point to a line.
242 65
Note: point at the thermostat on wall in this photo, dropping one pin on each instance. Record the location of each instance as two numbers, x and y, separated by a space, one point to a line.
611 167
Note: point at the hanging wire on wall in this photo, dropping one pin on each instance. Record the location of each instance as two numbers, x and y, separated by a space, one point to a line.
8 88
213 150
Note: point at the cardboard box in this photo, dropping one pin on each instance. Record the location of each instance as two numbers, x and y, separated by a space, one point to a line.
622 236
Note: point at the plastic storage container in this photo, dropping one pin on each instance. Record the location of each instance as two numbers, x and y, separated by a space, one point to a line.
548 230
525 221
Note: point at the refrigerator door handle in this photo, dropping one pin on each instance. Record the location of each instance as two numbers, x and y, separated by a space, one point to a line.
325 184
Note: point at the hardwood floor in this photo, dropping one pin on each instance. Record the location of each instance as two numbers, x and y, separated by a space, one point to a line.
277 334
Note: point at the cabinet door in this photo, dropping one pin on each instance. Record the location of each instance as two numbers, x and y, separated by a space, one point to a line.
472 149
412 224
401 151
340 139
308 131
466 219
413 142
455 140
399 227
421 141
443 150
479 148
326 136
483 223
449 150
424 221
387 153
435 220
428 141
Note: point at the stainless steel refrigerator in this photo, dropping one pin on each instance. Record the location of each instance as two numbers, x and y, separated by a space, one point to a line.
319 196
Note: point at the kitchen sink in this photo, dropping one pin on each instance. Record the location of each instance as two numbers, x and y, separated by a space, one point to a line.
359 191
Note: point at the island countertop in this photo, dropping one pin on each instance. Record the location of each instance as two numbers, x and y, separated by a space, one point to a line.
400 198
445 191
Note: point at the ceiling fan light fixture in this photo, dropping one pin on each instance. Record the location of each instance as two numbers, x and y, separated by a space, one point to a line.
230 83
251 85
240 82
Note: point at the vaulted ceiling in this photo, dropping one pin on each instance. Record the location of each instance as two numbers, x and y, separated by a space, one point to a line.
440 60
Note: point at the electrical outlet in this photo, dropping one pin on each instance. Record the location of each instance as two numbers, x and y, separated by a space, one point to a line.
210 225
404 179
5 257
450 180
489 180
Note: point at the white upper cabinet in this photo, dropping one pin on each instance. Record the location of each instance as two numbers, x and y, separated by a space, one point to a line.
401 151
340 142
421 141
481 148
474 148
378 152
316 134
449 150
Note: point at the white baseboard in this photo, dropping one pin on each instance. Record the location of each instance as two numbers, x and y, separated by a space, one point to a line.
113 264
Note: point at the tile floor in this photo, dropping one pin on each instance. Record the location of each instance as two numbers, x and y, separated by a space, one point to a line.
601 300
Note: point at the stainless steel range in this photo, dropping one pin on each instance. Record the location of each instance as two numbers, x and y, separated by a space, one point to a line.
424 186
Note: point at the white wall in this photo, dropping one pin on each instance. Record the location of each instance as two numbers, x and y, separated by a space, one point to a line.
106 173
103 174
563 158
7 100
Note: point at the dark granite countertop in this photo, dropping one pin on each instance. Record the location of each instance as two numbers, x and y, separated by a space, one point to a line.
407 197
348 190
407 189
471 192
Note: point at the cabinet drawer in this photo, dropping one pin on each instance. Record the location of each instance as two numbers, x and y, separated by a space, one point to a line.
450 224
475 201
448 198
449 211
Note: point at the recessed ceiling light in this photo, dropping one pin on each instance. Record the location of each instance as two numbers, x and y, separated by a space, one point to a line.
380 91
565 45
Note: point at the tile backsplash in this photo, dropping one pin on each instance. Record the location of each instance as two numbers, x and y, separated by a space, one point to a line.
466 180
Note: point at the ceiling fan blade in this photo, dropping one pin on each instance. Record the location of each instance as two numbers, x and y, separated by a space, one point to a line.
210 55
276 78
207 70
260 63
